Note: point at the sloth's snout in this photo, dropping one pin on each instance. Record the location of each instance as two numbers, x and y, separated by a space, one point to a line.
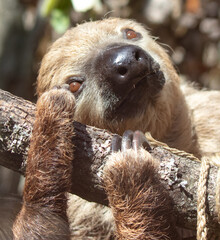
123 66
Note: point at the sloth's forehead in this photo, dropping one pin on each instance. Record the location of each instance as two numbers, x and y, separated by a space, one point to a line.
91 37
98 31
112 25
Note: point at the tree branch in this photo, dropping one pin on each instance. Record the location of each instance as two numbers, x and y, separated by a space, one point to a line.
92 147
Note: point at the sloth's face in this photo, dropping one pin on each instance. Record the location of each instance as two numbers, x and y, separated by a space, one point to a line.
126 76
114 68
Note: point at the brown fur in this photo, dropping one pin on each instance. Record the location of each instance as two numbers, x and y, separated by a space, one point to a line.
167 119
139 202
179 116
43 213
179 121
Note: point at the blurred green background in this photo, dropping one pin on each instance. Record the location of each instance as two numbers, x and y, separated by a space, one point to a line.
188 29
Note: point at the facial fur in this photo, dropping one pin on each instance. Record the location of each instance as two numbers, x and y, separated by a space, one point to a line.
140 104
121 79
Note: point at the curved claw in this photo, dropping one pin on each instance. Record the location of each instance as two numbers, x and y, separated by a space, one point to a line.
139 140
127 139
130 139
116 143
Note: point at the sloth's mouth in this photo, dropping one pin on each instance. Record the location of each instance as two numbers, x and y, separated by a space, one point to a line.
146 89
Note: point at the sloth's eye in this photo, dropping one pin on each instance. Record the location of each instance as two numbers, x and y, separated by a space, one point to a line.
74 86
131 34
75 83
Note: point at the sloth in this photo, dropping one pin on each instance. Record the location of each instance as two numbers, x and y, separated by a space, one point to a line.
111 74
130 173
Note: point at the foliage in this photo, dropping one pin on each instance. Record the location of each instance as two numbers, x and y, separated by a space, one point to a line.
59 11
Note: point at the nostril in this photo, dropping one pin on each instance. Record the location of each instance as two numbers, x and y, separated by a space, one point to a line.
122 71
137 56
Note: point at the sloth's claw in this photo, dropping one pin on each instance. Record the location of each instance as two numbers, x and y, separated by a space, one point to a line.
116 143
130 139
127 139
139 140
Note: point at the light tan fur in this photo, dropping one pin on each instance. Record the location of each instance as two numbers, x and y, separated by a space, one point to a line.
183 118
167 119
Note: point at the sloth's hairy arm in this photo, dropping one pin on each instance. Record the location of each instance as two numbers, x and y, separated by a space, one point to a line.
141 206
48 172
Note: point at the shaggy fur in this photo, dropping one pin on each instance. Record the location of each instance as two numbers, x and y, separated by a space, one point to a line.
139 202
43 214
167 118
182 117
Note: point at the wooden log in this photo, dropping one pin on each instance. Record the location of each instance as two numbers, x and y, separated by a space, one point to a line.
92 146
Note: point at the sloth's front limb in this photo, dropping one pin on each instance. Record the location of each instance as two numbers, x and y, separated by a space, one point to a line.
141 206
49 168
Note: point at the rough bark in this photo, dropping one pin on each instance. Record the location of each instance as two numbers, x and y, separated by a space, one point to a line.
92 147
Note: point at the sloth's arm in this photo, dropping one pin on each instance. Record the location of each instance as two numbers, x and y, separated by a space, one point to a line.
48 172
141 207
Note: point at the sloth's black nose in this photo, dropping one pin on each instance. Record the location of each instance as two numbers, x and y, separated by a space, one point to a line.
123 66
